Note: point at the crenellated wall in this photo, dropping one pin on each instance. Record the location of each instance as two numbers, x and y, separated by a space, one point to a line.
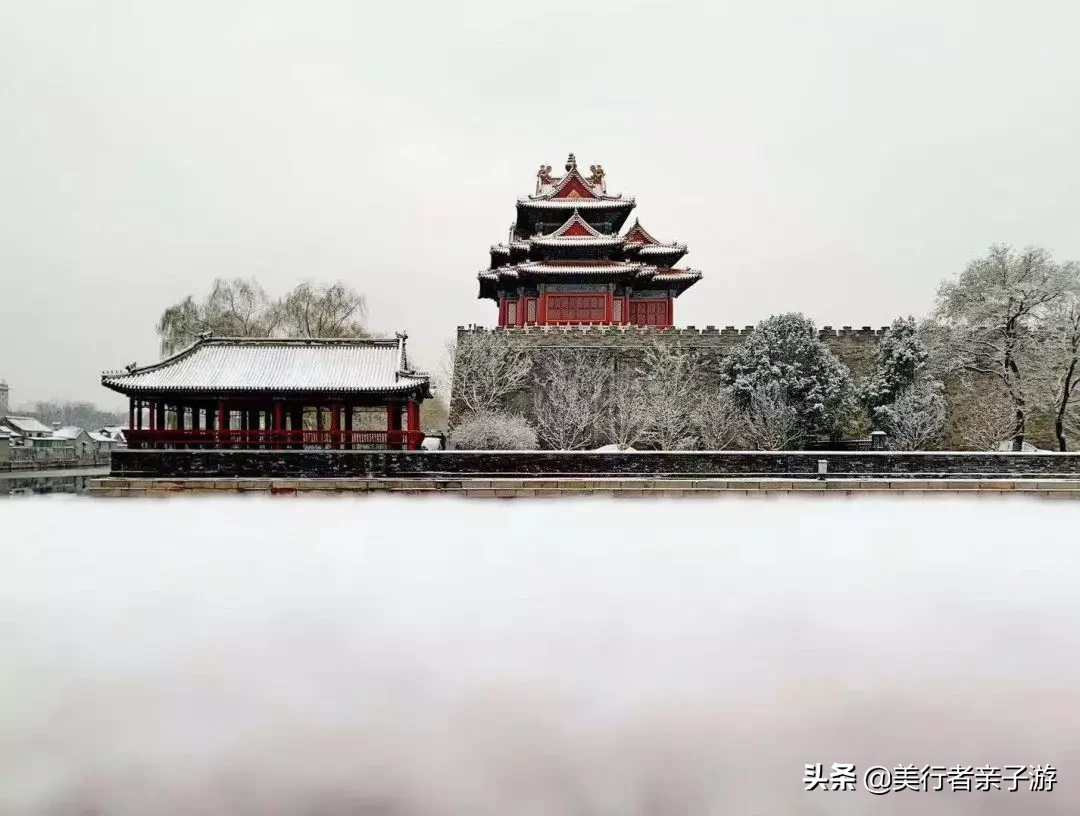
854 347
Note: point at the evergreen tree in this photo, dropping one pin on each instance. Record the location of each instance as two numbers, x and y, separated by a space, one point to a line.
899 360
785 356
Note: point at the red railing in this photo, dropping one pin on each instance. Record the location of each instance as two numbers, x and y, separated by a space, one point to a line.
276 440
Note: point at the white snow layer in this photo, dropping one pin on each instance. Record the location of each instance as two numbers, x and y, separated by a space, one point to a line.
403 656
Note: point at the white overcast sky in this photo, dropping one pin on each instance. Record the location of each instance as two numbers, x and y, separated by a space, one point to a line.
835 158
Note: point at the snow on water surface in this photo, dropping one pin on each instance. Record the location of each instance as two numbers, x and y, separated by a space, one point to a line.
402 656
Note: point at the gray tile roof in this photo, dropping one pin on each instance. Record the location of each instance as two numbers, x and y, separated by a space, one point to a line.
67 432
232 364
27 425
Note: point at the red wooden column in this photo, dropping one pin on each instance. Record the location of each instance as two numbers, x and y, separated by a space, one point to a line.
296 426
335 425
349 408
670 312
412 413
393 424
180 418
222 422
279 424
211 422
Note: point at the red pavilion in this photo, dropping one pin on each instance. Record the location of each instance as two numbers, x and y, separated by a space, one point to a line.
566 262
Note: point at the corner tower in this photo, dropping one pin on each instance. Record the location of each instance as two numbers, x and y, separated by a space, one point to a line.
567 262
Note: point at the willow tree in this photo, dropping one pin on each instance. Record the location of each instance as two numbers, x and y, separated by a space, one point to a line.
241 308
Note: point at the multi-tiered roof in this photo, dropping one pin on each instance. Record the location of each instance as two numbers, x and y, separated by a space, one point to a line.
568 232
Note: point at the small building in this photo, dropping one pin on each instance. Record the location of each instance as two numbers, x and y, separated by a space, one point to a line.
104 443
271 393
83 447
26 427
115 434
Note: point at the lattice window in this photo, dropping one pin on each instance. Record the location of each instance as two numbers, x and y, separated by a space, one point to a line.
511 313
648 312
576 308
530 310
617 310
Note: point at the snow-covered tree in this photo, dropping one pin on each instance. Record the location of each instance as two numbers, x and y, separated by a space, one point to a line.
493 430
771 421
672 382
915 419
989 321
241 308
571 396
1061 344
989 420
784 351
626 418
233 308
719 424
488 367
317 310
899 359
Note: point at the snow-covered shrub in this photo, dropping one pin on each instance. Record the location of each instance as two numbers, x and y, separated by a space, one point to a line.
493 430
916 418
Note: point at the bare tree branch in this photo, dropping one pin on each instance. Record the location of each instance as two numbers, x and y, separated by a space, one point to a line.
488 368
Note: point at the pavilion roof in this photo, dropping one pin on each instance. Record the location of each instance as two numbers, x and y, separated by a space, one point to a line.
579 203
638 235
574 186
576 231
272 365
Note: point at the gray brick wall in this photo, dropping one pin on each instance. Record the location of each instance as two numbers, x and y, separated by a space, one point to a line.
390 464
625 344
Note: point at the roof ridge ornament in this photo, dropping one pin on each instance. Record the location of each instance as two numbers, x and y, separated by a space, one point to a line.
597 179
543 179
571 163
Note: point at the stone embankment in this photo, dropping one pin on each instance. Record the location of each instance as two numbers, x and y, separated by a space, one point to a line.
554 487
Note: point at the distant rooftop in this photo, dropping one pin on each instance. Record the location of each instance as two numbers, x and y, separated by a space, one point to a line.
26 425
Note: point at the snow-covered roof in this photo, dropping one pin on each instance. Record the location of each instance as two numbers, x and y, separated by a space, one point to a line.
576 231
637 234
678 275
579 203
67 432
550 186
241 364
27 425
663 249
101 436
563 268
